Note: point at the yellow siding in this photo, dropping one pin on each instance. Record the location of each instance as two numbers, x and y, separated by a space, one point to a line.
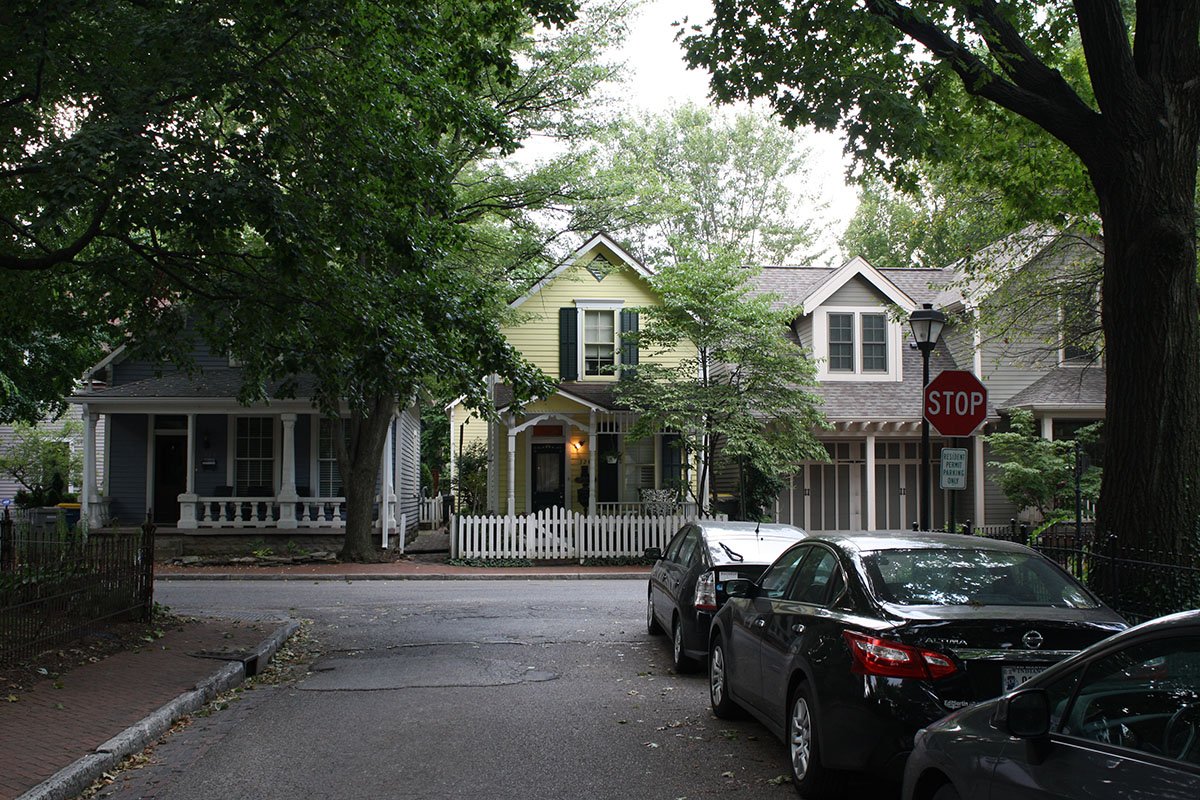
536 333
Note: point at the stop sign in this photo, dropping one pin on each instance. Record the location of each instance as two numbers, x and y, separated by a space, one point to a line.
955 402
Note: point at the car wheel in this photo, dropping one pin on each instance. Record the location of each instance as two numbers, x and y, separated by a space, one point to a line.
652 626
809 777
946 792
718 683
679 659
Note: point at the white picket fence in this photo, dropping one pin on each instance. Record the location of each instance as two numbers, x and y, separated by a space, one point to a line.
556 533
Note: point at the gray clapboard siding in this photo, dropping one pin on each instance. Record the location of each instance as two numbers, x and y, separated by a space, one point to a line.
857 292
407 451
127 468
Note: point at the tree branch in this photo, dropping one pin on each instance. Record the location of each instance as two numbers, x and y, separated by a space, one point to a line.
1053 106
53 258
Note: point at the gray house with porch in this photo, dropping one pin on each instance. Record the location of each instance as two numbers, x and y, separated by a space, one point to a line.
180 448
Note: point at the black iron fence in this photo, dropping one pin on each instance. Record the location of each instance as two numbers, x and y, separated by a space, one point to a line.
1138 583
58 585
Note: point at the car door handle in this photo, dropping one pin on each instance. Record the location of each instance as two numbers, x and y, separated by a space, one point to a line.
797 628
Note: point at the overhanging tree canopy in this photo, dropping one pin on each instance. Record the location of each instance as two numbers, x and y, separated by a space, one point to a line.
875 69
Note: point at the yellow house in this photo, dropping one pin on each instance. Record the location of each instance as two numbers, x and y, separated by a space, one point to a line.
572 449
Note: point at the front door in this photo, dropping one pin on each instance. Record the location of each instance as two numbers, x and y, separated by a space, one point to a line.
170 477
608 479
548 483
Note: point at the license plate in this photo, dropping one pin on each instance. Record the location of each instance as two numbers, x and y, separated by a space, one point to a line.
1012 677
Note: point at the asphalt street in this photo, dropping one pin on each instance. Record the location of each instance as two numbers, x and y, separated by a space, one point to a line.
506 689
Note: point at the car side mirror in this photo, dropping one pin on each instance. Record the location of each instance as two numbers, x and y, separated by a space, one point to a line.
652 552
1026 714
740 587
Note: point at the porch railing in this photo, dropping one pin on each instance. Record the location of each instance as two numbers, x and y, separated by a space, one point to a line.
647 509
556 533
264 512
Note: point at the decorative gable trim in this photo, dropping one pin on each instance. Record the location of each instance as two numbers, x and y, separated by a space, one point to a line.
857 267
589 248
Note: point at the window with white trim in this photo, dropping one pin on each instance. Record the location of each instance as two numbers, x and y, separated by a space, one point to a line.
856 344
254 455
599 341
874 343
841 342
329 477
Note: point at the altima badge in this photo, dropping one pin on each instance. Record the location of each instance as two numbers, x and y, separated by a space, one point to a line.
1032 640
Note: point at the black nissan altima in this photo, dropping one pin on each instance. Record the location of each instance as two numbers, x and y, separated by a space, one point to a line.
849 643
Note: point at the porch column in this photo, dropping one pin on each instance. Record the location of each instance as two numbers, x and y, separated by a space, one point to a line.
591 509
1048 428
89 509
386 521
399 520
287 482
512 469
869 522
187 500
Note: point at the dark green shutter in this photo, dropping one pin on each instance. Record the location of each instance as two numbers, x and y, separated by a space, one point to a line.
568 344
671 459
629 347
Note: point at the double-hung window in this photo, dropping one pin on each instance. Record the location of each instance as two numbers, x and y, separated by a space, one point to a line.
599 341
254 455
874 343
329 477
841 342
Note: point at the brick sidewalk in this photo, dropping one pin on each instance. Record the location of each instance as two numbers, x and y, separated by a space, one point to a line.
408 568
48 728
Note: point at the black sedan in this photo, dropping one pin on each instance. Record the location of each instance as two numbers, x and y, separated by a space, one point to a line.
1121 719
687 584
848 644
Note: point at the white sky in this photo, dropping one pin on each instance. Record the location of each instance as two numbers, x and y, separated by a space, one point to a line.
659 78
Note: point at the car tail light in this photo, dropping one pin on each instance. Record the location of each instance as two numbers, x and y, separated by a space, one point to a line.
874 656
706 592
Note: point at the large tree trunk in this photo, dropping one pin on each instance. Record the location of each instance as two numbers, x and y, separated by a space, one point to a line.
359 464
1150 497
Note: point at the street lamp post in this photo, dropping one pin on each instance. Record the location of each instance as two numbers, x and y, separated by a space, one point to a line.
927 324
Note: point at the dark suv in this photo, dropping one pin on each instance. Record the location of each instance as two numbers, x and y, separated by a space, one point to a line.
687 585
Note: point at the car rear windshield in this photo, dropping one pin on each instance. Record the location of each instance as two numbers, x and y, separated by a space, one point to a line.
963 577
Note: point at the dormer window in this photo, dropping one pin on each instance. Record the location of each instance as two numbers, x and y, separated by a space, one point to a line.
871 352
856 344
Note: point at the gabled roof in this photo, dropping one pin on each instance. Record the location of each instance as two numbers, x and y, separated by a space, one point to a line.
598 395
600 239
856 267
795 284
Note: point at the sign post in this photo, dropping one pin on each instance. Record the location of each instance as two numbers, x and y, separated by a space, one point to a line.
955 402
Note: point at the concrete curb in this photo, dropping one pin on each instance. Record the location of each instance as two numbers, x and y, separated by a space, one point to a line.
70 781
441 576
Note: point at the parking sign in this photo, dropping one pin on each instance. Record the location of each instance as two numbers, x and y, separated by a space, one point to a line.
954 468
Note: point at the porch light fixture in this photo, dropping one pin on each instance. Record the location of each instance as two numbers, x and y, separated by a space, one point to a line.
927 323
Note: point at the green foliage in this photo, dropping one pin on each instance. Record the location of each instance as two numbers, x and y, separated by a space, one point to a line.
41 459
1039 473
742 398
757 491
470 480
490 562
435 445
696 184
